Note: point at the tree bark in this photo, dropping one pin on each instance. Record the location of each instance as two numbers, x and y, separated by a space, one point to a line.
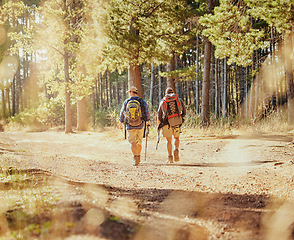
159 85
289 78
117 93
68 123
205 112
197 62
134 71
224 90
171 66
256 88
250 110
100 79
135 79
13 93
246 94
3 104
82 115
18 91
8 101
217 98
273 61
151 84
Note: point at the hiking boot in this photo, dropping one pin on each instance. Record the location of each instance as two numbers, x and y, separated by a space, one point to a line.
136 160
170 159
176 155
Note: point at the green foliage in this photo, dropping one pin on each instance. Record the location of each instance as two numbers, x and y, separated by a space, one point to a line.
47 114
52 112
187 73
26 117
277 13
118 77
104 117
150 29
76 32
105 35
230 30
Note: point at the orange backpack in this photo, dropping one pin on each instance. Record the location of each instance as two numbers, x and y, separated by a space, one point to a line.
172 110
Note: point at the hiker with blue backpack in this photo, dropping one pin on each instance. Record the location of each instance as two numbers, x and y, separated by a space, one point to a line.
170 115
135 116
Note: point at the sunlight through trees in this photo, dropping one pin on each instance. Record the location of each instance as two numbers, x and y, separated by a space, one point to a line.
70 61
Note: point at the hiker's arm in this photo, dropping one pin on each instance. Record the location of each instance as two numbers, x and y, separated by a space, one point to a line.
160 117
184 111
122 116
159 114
146 114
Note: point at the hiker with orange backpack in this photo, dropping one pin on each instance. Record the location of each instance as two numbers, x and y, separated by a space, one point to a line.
170 115
136 117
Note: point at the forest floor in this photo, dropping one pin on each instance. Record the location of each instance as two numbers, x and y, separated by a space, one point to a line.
234 186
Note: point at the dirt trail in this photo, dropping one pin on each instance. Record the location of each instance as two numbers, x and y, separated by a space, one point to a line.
224 187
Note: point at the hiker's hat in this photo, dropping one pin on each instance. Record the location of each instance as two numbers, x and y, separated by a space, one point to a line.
169 90
133 89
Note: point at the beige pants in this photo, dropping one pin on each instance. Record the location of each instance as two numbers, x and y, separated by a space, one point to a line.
168 132
135 136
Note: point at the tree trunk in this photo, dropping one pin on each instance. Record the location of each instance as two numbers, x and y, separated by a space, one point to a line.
151 84
13 93
100 79
289 79
171 66
17 90
135 79
256 88
3 104
212 87
251 89
82 115
197 62
8 101
273 61
205 114
246 94
224 90
109 91
134 71
96 91
124 90
159 85
117 93
217 103
68 123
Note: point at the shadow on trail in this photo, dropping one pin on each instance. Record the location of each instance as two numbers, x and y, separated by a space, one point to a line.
142 214
212 165
268 137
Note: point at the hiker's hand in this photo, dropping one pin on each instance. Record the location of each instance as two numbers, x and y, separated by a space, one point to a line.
121 126
159 126
148 123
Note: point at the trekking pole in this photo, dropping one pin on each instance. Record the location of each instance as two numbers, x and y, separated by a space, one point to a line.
144 134
158 138
125 128
160 125
147 132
